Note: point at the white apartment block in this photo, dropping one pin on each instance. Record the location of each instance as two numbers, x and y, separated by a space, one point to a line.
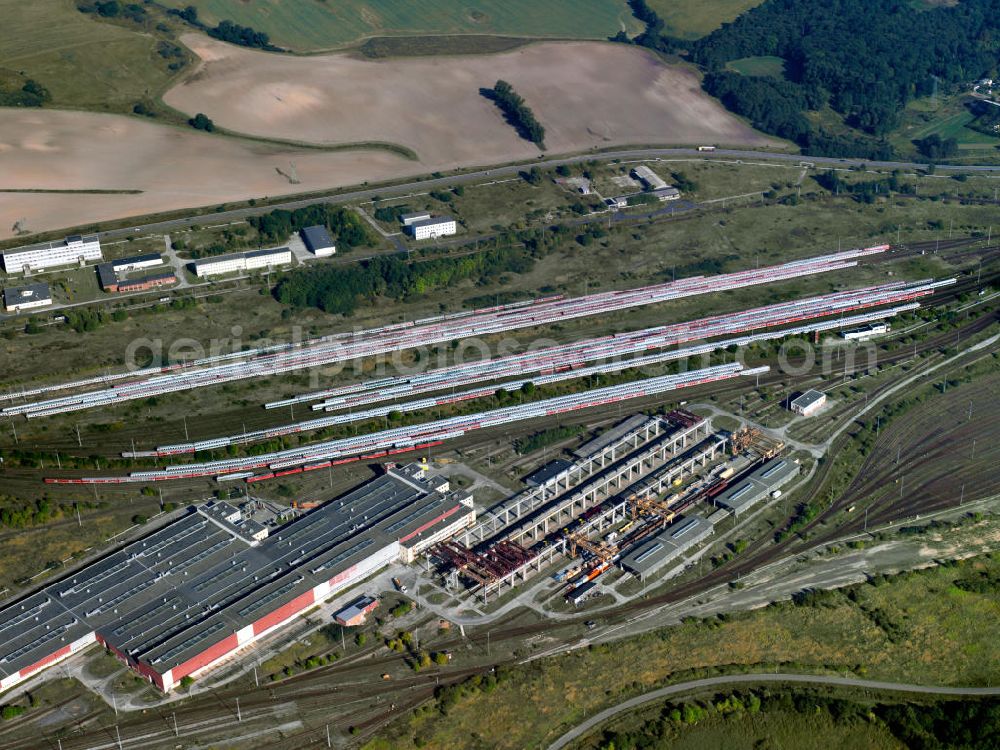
432 228
251 261
72 250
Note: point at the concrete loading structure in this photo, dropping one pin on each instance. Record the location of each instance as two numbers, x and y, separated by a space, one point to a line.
75 249
194 593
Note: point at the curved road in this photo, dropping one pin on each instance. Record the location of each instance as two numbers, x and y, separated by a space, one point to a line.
511 170
692 685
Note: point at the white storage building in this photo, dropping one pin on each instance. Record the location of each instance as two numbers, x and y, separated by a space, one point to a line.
73 249
439 226
410 219
137 263
242 261
26 297
808 403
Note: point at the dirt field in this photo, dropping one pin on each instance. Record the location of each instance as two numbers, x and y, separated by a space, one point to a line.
175 168
586 94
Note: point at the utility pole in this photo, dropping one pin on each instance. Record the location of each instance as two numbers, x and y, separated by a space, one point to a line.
119 736
961 498
186 437
14 430
239 716
79 442
328 744
176 731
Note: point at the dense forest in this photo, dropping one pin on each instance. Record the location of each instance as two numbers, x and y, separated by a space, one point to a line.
517 113
342 289
865 59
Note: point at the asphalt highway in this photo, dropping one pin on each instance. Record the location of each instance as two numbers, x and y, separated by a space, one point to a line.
740 679
512 170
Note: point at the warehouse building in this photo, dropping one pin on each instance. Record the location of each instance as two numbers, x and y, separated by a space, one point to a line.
439 226
194 593
667 193
75 249
649 178
318 241
26 297
808 403
240 262
354 614
666 547
766 480
410 219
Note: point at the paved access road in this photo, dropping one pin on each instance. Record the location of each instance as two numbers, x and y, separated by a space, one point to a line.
725 681
513 169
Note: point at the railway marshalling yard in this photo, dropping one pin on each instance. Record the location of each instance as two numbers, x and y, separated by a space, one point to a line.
593 549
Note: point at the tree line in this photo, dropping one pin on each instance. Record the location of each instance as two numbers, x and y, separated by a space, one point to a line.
345 226
226 30
516 112
31 94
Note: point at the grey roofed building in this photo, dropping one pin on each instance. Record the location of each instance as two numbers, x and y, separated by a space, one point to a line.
581 592
184 590
667 193
548 472
807 400
758 485
317 239
264 253
106 276
667 546
32 294
607 437
410 218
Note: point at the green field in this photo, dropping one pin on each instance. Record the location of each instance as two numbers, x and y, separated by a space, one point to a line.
945 116
758 66
85 63
305 25
690 19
